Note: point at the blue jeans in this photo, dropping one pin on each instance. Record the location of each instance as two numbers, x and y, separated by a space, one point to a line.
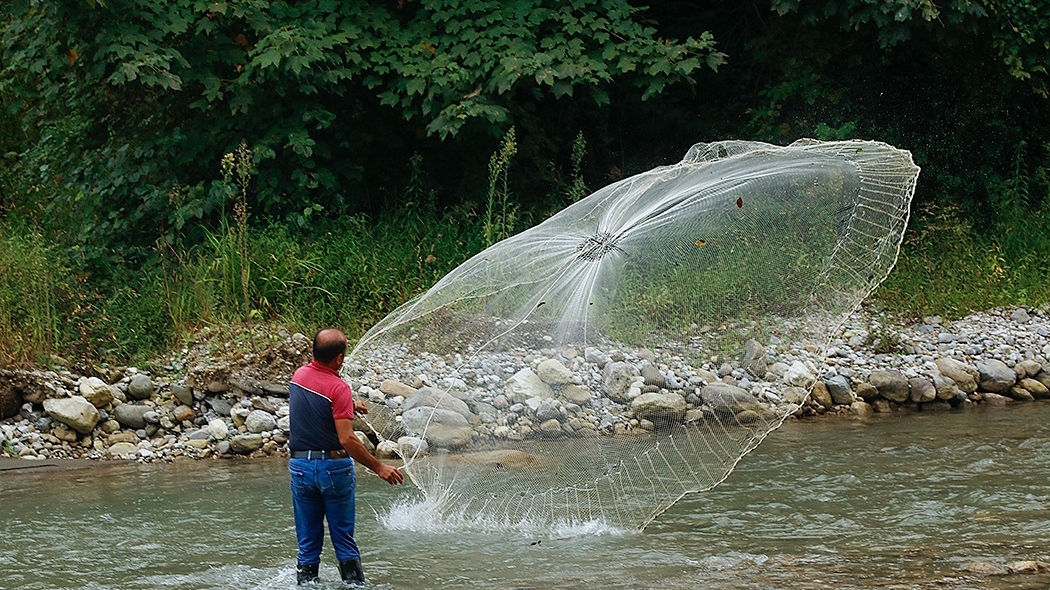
323 488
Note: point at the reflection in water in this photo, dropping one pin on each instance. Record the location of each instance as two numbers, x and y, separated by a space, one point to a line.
897 502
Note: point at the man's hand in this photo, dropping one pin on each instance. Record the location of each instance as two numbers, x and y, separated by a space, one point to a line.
360 407
390 474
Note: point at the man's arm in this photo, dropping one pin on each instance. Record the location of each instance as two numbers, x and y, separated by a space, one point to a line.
345 429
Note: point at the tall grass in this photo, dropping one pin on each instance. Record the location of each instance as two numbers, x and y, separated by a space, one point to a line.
31 281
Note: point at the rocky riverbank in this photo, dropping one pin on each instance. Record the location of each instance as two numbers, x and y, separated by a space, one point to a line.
207 401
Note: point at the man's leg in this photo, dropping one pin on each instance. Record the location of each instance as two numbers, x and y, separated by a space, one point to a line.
340 509
308 509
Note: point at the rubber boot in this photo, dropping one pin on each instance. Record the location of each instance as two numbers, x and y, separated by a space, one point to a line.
305 573
351 572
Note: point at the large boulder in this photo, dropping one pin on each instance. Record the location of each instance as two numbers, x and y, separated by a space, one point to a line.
996 377
659 407
619 376
441 428
96 391
140 387
244 444
432 397
754 359
965 376
552 372
260 421
922 390
891 385
75 412
731 400
838 388
131 416
525 384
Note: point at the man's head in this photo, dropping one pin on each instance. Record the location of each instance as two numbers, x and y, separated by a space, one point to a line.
329 347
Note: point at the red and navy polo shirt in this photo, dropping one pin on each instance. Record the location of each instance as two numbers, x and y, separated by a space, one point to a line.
317 397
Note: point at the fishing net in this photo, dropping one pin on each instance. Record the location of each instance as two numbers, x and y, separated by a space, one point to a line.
635 346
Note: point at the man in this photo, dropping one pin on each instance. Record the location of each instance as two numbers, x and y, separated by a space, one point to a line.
323 448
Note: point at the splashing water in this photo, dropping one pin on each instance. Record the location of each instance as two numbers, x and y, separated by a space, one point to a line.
590 372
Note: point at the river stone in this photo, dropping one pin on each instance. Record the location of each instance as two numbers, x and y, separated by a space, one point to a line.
619 376
246 443
183 393
651 376
75 412
1020 315
386 449
395 388
945 386
794 395
819 394
1043 377
1029 567
922 390
121 450
659 407
1034 387
260 421
548 409
182 413
131 416
552 372
1018 393
838 387
754 359
525 384
432 397
994 399
867 392
64 433
220 406
551 428
441 428
140 386
1030 368
799 375
411 446
96 391
729 399
576 394
891 385
965 377
996 377
861 409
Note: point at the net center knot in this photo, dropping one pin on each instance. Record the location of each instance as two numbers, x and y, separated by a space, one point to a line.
597 246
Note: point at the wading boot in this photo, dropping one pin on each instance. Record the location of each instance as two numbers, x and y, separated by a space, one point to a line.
351 572
305 573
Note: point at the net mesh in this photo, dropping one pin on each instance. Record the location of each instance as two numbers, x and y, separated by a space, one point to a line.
631 349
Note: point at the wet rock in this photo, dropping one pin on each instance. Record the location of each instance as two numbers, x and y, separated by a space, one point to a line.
891 385
728 399
140 386
867 392
995 375
994 399
1029 567
75 412
984 568
945 386
1019 394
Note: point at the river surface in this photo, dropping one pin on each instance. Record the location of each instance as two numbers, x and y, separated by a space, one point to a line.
895 502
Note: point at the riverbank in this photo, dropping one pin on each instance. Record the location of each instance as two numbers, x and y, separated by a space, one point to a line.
210 400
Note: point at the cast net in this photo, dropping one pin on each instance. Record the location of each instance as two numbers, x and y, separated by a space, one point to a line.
631 349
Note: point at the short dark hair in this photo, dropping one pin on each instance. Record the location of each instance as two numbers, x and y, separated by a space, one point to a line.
328 347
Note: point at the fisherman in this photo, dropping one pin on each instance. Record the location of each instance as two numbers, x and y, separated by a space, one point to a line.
323 449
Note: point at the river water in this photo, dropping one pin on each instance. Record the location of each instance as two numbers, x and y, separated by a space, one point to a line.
895 502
